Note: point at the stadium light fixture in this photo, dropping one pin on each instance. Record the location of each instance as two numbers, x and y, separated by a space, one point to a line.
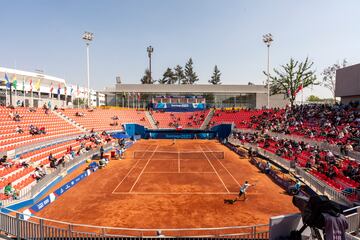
268 39
150 50
88 37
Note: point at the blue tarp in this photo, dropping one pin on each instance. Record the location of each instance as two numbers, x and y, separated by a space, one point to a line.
120 135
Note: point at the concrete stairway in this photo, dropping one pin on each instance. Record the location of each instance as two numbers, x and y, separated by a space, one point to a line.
69 120
151 120
207 119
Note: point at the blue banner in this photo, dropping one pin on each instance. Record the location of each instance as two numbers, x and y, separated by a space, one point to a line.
180 135
58 192
70 184
180 107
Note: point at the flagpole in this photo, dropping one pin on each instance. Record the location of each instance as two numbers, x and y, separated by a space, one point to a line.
15 97
133 95
128 100
6 96
24 90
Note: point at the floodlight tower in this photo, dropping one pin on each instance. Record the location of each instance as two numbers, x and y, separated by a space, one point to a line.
268 39
150 50
88 37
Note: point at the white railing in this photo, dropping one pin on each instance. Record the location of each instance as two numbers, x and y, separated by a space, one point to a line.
11 222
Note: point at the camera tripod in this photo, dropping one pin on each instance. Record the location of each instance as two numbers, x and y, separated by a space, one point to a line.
315 233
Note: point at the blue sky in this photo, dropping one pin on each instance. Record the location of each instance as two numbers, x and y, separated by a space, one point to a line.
42 34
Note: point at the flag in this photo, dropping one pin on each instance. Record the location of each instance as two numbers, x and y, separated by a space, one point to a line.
37 85
71 90
51 87
7 81
65 89
14 83
77 90
288 93
139 96
23 86
299 89
59 88
30 85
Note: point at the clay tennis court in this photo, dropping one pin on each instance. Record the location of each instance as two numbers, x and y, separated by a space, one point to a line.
161 184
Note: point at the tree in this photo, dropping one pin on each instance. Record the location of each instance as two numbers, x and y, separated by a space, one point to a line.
168 77
329 76
190 75
179 74
146 79
215 78
313 98
292 78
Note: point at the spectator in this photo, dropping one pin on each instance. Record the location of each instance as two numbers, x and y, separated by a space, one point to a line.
52 161
4 162
9 190
39 174
18 129
101 152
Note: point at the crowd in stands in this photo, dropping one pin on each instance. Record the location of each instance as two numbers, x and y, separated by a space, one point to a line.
336 124
340 173
178 119
40 168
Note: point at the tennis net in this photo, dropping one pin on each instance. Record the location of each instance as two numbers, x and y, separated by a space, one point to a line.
173 155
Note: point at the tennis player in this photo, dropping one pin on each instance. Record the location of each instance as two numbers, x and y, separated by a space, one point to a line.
243 189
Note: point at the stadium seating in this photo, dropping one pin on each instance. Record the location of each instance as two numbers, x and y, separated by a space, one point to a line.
239 117
54 126
337 124
21 176
319 168
102 119
179 119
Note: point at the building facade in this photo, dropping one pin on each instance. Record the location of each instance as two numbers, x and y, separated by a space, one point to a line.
244 96
348 83
36 89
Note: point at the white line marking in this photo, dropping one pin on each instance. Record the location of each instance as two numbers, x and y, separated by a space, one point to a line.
181 172
216 172
178 161
225 168
137 179
130 170
176 193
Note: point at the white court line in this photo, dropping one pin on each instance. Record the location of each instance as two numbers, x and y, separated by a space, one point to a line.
216 172
225 168
137 179
176 193
181 172
130 170
178 160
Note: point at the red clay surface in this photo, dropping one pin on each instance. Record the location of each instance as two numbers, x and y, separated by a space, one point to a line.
161 190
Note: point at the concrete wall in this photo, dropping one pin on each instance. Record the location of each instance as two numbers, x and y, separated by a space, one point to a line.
348 81
275 101
347 100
